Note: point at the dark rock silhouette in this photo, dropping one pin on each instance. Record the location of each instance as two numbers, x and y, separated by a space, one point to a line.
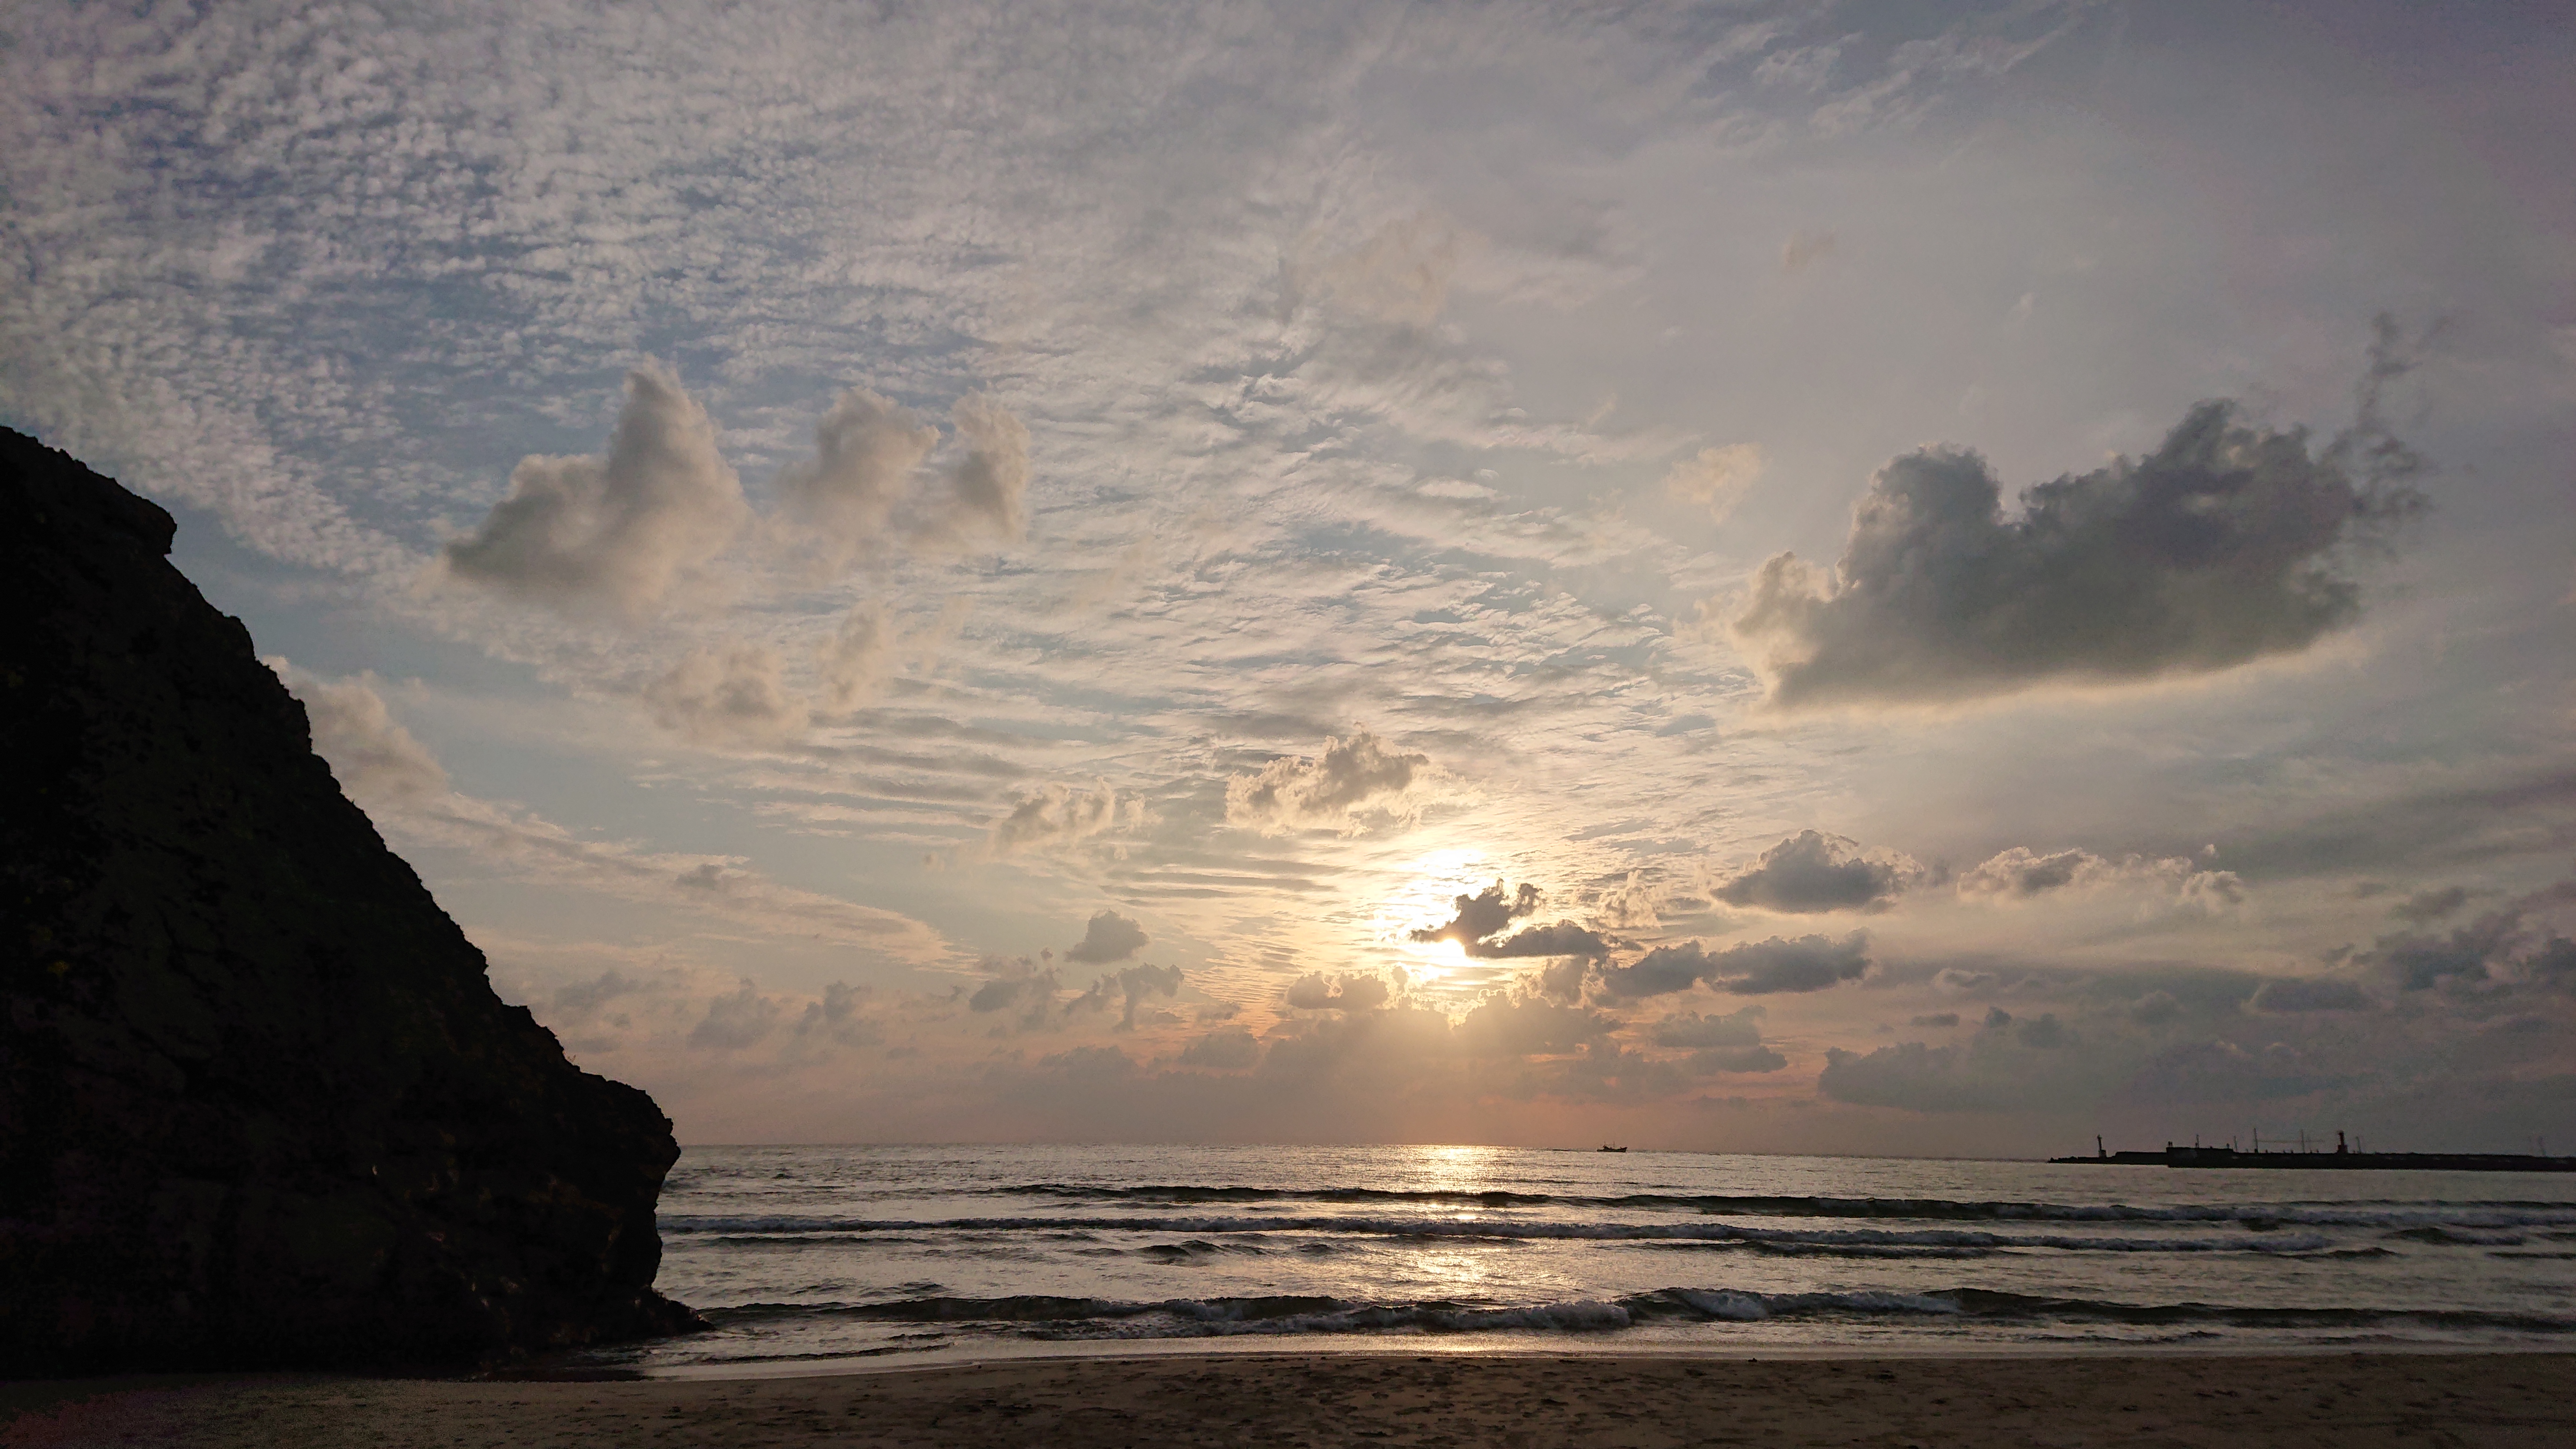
258 1103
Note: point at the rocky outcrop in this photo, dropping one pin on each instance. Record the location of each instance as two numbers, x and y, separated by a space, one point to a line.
258 1103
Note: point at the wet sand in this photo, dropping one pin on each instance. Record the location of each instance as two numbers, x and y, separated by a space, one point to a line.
2347 1401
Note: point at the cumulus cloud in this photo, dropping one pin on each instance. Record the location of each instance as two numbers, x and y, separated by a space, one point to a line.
988 489
1716 478
1633 905
866 449
1754 968
1316 992
858 660
1690 1029
1481 917
837 1015
2500 950
2228 543
618 534
2287 994
1504 1027
1109 937
736 1020
1017 985
1130 988
1746 1059
2021 874
1812 872
2425 907
1327 791
1055 816
375 759
727 695
1230 1049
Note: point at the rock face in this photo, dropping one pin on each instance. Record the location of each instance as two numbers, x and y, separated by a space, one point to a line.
259 1105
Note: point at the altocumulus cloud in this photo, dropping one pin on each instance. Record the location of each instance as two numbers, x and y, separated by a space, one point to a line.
2226 544
727 695
839 501
373 756
616 534
1482 916
1109 937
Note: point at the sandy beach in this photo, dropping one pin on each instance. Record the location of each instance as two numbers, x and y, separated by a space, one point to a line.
2349 1401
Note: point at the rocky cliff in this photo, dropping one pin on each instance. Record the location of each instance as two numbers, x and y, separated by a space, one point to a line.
258 1103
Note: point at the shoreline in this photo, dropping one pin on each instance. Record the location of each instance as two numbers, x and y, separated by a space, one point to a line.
2334 1399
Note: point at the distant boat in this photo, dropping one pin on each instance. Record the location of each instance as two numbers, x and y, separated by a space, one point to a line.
1606 1147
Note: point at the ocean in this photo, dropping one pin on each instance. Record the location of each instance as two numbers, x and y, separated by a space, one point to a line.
808 1257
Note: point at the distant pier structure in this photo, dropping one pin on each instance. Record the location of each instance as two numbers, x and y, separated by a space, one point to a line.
2340 1158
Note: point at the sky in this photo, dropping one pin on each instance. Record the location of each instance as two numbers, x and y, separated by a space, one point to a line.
1837 577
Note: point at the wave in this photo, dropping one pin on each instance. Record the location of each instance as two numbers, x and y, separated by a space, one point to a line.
1788 1239
2481 1214
1064 1317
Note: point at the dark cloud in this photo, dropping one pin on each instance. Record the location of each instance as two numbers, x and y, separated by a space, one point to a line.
2500 950
2425 907
1110 937
1690 1029
1812 872
1315 992
2304 993
1481 916
1734 1059
1756 968
2155 1008
1020 985
2228 543
1130 987
1937 1018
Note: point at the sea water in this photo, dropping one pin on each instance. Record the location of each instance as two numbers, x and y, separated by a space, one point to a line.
804 1257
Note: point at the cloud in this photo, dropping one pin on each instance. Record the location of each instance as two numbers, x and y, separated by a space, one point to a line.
1055 816
840 500
374 758
837 1015
1109 937
2287 994
988 488
1811 872
1481 916
1017 985
1690 1029
2227 544
1132 987
1937 1018
2425 907
856 664
2501 950
1501 1027
1315 992
1716 478
1756 968
1228 1050
614 535
1805 250
1735 1059
736 1020
1633 905
727 695
1327 791
2021 874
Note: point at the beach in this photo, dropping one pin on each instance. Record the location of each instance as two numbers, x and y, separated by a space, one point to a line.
2344 1400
